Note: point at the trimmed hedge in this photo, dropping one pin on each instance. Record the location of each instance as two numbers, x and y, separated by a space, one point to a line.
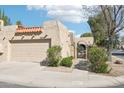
67 62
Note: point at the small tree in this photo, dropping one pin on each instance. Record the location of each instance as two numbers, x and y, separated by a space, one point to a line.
88 34
18 23
54 55
98 29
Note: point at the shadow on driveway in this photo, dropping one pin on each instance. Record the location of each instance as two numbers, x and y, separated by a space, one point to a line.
82 65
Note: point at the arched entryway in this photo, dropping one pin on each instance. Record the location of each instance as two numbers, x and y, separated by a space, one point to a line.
81 47
81 51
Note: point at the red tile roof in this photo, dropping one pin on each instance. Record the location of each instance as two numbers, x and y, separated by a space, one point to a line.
21 29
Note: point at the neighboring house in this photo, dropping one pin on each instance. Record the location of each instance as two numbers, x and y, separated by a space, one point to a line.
19 43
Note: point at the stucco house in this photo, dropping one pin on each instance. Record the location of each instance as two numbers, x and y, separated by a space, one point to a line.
20 43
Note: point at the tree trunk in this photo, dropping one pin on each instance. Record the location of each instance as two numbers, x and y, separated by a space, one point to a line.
110 47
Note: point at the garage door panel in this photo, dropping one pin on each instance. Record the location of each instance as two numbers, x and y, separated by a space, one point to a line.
29 51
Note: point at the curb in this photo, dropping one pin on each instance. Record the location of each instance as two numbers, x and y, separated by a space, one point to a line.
114 81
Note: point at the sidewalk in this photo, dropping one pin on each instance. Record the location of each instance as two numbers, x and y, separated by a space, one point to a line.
32 74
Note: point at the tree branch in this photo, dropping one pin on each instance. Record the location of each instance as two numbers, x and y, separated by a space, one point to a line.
118 11
105 17
119 29
120 20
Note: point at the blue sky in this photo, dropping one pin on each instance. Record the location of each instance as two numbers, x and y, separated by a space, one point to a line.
36 16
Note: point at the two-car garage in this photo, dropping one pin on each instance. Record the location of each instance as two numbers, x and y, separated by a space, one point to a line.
29 50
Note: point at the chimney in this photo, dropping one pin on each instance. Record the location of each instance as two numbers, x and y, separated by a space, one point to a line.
1 23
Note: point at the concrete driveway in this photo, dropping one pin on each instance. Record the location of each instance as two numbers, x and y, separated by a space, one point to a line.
32 74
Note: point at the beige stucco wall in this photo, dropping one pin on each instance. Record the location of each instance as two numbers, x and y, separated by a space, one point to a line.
6 33
85 40
54 31
59 35
65 41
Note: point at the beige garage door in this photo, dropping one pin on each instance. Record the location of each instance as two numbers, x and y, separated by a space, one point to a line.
29 50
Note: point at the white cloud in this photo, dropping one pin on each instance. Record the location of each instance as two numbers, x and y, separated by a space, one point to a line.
78 35
37 7
67 13
72 31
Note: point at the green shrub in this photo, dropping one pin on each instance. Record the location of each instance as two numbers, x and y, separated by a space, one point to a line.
98 57
54 55
67 61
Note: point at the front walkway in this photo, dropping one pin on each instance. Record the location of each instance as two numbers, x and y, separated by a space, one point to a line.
32 74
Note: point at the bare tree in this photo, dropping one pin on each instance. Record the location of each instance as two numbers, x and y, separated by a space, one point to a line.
114 19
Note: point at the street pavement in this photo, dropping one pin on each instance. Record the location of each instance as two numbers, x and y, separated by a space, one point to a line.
10 85
119 86
29 74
